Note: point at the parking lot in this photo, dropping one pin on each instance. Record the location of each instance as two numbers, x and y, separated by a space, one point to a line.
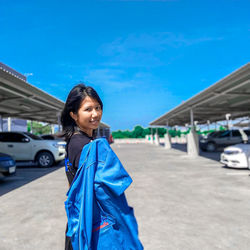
179 202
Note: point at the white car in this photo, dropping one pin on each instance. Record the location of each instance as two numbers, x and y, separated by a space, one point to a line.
236 156
24 146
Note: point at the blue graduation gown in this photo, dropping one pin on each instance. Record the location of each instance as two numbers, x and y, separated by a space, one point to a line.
98 214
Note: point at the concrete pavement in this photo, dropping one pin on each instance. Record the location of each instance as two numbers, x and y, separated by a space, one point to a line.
179 203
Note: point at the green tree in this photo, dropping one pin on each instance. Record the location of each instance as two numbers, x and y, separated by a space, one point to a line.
138 132
147 131
38 128
162 132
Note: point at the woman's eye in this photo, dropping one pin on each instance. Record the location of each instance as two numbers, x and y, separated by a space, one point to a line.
88 109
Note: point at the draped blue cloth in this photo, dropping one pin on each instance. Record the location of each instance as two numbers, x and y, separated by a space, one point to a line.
97 210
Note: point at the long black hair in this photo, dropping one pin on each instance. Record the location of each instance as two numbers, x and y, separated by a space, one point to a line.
73 103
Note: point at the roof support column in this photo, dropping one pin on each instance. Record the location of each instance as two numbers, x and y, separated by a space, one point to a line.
229 124
52 126
59 121
151 136
157 140
167 139
9 124
208 125
191 117
1 123
192 138
215 126
31 126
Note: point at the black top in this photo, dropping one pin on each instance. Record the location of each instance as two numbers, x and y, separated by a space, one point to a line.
74 149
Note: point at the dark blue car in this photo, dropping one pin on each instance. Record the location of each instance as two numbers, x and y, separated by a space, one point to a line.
7 165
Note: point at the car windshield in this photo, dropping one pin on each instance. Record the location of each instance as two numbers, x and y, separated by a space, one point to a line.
216 133
211 134
34 137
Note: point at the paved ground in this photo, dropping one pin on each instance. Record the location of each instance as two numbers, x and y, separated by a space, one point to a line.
179 203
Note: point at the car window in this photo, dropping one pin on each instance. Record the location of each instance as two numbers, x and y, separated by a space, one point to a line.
236 133
214 134
3 137
247 132
34 137
11 137
224 134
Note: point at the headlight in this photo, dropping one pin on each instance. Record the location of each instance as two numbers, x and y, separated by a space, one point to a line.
62 144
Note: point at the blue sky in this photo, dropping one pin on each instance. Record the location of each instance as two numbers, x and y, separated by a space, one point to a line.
143 57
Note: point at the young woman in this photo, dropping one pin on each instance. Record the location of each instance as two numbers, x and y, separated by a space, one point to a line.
80 117
101 212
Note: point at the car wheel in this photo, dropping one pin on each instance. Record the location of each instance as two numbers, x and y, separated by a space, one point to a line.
45 159
211 147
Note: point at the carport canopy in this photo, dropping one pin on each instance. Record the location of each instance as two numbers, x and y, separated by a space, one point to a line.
22 100
231 95
19 99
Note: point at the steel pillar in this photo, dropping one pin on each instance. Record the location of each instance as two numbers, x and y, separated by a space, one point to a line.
192 138
152 136
9 124
31 126
167 139
52 128
157 140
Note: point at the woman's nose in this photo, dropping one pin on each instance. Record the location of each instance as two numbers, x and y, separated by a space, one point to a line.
94 113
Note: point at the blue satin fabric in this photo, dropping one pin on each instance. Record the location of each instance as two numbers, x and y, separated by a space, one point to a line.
99 217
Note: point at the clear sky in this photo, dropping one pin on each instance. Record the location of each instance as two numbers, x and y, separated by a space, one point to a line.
143 57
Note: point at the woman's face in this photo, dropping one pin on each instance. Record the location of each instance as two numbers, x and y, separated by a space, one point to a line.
88 116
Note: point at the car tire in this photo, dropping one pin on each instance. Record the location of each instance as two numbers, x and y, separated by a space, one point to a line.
45 159
210 147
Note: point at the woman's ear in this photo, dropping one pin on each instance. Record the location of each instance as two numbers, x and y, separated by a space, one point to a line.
73 116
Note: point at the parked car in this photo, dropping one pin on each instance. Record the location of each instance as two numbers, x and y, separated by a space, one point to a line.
237 156
24 146
221 139
7 165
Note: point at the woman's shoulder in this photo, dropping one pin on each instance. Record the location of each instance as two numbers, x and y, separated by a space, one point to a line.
78 140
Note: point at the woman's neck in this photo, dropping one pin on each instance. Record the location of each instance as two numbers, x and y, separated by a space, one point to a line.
89 132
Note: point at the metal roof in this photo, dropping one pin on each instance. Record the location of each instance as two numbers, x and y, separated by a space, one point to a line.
22 100
229 95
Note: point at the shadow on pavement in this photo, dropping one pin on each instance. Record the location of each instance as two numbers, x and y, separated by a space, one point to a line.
238 169
210 155
24 175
